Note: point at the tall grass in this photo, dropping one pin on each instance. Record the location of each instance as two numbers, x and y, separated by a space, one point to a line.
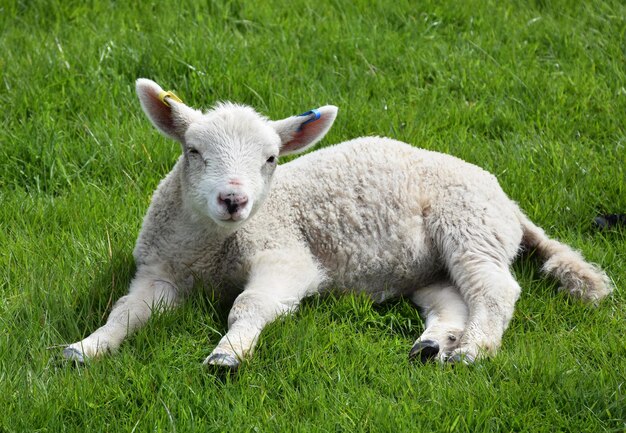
534 91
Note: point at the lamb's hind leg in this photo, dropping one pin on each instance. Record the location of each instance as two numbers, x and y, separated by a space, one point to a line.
490 292
445 315
478 233
146 295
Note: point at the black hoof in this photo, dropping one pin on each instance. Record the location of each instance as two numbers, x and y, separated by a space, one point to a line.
461 359
223 360
426 350
73 355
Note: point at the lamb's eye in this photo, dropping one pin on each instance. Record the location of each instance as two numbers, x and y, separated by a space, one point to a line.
193 151
271 160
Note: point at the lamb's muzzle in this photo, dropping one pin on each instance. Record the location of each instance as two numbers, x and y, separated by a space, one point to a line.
233 201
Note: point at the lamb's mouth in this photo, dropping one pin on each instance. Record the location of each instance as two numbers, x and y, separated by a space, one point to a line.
234 219
230 220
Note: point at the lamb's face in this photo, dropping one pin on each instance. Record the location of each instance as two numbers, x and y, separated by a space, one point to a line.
230 155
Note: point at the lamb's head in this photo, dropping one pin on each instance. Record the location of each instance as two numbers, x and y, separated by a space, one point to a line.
230 152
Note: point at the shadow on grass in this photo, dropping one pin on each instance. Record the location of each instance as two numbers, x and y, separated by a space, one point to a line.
113 281
398 317
92 308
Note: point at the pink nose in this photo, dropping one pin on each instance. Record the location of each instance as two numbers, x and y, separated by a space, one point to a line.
233 201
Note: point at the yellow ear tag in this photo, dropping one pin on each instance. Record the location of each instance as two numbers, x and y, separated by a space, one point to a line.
169 94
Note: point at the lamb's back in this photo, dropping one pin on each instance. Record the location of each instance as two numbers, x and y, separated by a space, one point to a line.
361 206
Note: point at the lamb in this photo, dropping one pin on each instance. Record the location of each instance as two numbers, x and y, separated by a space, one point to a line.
370 215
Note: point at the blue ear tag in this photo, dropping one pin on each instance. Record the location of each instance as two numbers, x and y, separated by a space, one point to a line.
316 116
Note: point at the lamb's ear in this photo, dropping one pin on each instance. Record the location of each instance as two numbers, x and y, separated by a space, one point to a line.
298 133
168 113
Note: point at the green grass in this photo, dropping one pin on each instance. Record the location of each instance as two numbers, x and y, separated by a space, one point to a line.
534 91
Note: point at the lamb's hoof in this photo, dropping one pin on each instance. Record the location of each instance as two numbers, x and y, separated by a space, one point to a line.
73 354
222 360
461 358
427 350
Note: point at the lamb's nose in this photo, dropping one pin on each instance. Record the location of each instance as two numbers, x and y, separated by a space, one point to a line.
233 201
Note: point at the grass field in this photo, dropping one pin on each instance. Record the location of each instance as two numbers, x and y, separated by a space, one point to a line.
534 91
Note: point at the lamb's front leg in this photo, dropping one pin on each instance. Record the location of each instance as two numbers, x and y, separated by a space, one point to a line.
278 281
147 294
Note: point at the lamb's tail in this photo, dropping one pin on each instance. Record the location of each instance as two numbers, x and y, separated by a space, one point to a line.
578 277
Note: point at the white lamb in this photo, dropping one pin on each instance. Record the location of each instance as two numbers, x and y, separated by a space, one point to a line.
370 215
